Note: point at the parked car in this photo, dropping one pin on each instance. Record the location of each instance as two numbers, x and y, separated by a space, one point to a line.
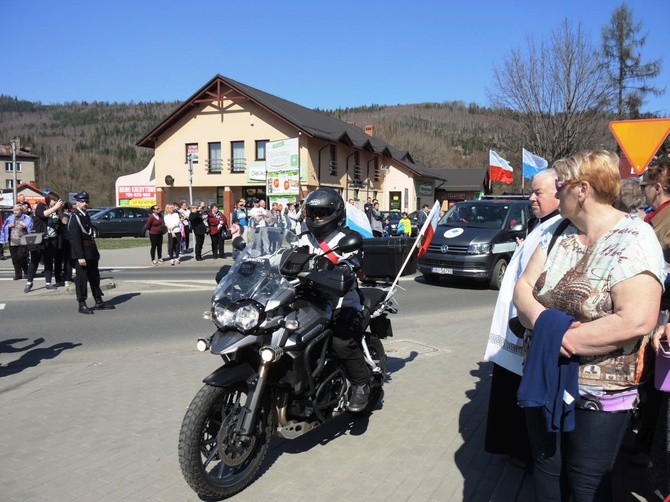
95 210
120 222
476 239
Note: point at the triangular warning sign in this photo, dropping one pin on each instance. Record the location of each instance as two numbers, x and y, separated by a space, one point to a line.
640 139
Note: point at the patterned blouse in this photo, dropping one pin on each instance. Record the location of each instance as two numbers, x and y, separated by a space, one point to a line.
578 279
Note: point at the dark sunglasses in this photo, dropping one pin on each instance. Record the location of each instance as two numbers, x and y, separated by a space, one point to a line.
560 184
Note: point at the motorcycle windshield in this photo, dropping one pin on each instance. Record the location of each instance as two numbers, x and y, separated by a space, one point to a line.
255 274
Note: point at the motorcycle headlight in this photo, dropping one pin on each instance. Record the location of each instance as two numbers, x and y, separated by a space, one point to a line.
224 316
479 248
245 317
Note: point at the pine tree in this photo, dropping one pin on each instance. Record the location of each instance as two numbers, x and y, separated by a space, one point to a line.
628 75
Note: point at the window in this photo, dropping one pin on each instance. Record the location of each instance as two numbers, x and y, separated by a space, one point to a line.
192 148
9 168
377 173
215 163
332 165
237 160
260 148
357 166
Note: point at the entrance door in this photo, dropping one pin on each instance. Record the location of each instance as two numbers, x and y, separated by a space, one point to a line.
395 201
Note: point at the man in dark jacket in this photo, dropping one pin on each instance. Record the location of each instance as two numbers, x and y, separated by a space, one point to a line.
85 256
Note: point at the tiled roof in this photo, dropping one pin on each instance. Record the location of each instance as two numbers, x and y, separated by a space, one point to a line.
310 122
6 151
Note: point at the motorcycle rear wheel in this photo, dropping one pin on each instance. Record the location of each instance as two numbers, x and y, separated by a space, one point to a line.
213 462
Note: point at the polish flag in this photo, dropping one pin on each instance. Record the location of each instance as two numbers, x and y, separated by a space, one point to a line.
428 229
500 168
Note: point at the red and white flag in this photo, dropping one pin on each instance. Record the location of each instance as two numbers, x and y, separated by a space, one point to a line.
500 169
428 229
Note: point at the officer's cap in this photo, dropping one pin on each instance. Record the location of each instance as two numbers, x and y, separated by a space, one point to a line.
82 197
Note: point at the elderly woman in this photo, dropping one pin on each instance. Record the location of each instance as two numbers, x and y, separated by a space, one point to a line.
587 299
16 226
630 199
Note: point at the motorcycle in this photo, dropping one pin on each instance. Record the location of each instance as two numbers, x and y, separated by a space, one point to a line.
280 376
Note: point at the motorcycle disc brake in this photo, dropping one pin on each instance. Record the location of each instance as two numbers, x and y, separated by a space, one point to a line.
232 449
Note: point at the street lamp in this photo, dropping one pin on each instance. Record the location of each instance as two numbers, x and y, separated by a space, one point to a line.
14 170
190 178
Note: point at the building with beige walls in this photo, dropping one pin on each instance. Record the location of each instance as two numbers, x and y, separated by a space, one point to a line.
215 145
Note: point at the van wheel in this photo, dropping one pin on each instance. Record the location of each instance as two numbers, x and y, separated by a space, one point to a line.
498 274
431 278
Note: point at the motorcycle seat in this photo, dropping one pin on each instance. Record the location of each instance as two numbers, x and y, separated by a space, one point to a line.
372 297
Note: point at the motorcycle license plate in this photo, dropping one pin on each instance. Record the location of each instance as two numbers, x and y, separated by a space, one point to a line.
443 271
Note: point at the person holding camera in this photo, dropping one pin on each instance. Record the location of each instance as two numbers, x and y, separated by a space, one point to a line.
45 222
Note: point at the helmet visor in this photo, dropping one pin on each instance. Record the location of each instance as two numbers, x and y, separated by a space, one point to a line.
319 212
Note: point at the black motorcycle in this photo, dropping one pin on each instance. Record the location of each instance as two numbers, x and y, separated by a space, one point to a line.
280 376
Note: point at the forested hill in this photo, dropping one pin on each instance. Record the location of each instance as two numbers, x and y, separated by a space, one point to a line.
89 145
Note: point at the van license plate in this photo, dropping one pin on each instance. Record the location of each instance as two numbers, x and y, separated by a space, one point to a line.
444 271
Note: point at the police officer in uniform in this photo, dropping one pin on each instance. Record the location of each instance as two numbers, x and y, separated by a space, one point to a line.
85 256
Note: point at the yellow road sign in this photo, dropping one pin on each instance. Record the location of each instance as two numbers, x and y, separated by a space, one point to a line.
640 139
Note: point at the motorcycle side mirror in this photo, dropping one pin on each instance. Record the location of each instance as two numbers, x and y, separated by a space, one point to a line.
239 244
223 271
349 243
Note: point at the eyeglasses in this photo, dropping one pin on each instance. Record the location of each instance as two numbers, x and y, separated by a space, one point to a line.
561 184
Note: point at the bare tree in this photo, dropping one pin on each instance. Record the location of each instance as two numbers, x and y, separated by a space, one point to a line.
548 95
626 71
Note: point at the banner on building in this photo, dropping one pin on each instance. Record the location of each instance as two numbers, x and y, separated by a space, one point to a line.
136 195
282 167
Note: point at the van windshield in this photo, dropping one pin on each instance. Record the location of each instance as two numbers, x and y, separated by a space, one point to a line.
475 215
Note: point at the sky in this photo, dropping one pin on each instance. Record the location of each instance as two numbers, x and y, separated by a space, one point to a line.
320 54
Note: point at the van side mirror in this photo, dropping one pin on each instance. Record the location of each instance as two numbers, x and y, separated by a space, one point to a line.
517 228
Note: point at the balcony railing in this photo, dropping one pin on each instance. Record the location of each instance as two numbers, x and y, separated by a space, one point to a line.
214 166
237 165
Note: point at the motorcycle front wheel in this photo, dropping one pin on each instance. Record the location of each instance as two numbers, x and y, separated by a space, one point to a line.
214 461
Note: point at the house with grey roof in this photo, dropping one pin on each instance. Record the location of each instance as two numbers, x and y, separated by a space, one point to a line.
230 141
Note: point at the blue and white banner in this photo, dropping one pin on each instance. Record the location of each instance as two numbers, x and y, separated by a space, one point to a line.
532 164
358 220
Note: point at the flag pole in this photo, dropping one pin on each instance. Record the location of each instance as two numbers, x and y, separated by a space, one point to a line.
417 241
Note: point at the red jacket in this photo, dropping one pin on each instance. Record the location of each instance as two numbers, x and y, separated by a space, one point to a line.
214 219
155 226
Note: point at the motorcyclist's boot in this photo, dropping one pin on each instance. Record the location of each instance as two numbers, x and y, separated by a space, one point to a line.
359 397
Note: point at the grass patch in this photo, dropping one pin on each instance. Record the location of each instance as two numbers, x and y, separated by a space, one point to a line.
122 243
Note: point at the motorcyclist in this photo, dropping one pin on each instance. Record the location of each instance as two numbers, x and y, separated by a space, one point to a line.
325 217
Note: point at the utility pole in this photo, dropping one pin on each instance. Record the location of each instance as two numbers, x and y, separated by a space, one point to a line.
190 179
14 170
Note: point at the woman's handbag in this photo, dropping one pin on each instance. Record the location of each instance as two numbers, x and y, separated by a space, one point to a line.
33 242
226 233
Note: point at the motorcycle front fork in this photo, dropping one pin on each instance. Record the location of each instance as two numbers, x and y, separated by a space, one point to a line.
246 423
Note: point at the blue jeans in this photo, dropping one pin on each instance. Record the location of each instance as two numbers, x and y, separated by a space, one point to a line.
577 463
